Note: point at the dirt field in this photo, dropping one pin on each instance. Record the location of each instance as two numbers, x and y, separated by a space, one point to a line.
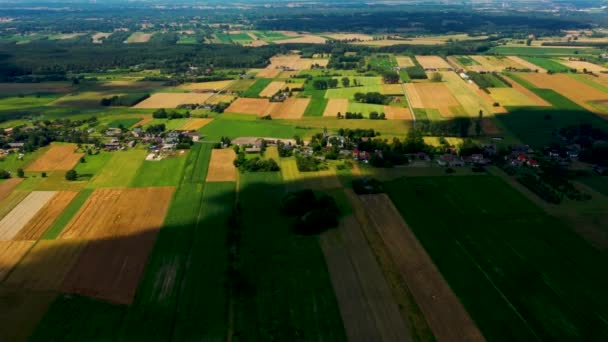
98 37
432 62
392 89
576 91
397 113
34 229
493 64
404 61
214 86
194 124
251 106
369 311
539 101
8 186
221 167
172 100
581 65
433 95
12 223
272 88
335 106
269 72
305 39
139 37
525 64
445 314
57 158
350 36
121 227
46 265
11 253
292 108
293 62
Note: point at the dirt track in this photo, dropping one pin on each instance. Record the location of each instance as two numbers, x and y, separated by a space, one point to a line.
446 316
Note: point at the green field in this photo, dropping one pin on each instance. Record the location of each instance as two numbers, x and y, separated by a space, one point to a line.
382 62
547 64
20 103
466 60
367 85
255 89
165 172
365 108
269 36
247 128
57 227
521 274
286 292
318 102
120 170
188 40
125 123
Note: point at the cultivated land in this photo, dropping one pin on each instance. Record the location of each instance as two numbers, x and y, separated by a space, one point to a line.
221 167
434 95
335 106
195 124
7 187
44 218
11 252
432 62
57 158
172 100
213 86
17 218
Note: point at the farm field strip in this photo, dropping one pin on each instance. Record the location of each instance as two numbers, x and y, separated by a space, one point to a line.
335 106
368 308
57 158
404 61
221 166
434 95
172 100
467 95
66 215
397 113
11 201
251 106
120 170
525 64
582 65
46 216
17 218
318 180
194 124
539 101
432 62
272 88
210 86
11 253
493 63
444 313
8 186
292 108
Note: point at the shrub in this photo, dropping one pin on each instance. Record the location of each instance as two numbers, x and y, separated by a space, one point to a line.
5 174
71 175
367 186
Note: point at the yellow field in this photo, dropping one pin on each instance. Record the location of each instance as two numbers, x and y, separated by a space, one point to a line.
493 64
404 61
392 89
350 36
292 62
433 95
139 37
292 108
581 65
269 72
250 106
11 252
217 98
397 113
214 86
172 100
335 106
467 95
305 39
194 124
511 97
12 223
272 88
98 37
320 180
525 64
432 62
221 166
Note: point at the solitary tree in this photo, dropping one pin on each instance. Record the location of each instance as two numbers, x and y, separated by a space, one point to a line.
71 175
345 82
20 173
436 77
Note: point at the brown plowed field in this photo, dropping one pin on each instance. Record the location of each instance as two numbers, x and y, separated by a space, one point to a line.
445 314
11 253
397 113
46 265
121 226
292 108
8 186
172 100
432 62
335 106
57 158
12 223
194 124
368 308
221 167
251 106
34 229
575 90
272 88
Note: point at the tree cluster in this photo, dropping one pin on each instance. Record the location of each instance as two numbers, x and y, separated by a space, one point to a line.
313 214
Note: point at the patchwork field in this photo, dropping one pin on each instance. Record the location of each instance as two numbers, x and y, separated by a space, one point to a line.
269 72
139 37
172 100
211 86
526 64
404 61
335 106
7 187
221 166
120 170
433 95
537 100
292 108
582 65
366 85
11 253
251 106
272 89
46 216
432 62
493 63
397 113
392 89
469 95
194 124
290 62
57 158
17 218
512 97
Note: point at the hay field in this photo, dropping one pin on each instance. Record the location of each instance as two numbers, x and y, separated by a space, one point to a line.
172 100
319 180
293 62
221 166
576 91
7 187
98 37
392 89
57 158
335 106
251 106
369 311
44 218
292 108
217 98
216 85
468 95
11 252
11 201
511 97
46 265
272 88
350 36
492 63
268 72
580 65
404 61
525 64
111 213
397 113
443 311
303 39
539 101
17 218
433 95
139 37
195 124
432 62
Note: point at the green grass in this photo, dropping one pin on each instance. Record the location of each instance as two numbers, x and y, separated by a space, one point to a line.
270 36
382 62
404 76
521 274
188 40
11 162
165 172
286 292
120 170
66 216
76 318
466 60
126 123
367 85
547 64
19 103
365 108
240 38
247 128
318 102
92 165
257 87
542 51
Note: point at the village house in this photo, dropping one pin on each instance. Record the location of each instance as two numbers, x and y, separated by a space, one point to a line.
113 132
450 160
112 145
16 146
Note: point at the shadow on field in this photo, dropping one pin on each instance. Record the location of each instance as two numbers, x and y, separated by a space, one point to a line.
216 268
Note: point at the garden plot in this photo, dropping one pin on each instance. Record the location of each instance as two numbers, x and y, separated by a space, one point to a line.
57 158
221 167
17 218
172 100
